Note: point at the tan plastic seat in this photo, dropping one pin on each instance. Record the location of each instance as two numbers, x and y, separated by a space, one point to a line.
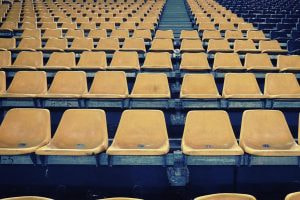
92 60
227 61
237 20
186 34
194 62
80 132
209 133
31 33
281 85
258 62
97 33
146 26
206 26
245 46
245 26
68 85
293 196
256 35
55 44
140 132
271 46
29 44
218 46
7 25
52 33
107 25
61 60
191 45
134 44
120 33
49 25
108 44
123 60
288 63
2 82
88 26
7 43
82 44
24 130
28 60
234 35
229 196
151 85
211 34
128 25
226 26
27 198
5 59
69 26
158 60
145 34
266 133
199 86
164 34
162 45
109 84
72 33
241 85
27 84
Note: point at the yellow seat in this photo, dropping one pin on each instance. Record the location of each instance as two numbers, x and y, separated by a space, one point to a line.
28 60
293 196
108 84
158 60
5 59
257 62
237 20
199 86
206 26
2 82
70 27
125 60
245 26
31 33
23 130
67 85
27 84
271 46
186 34
140 132
146 26
108 44
266 133
226 26
92 60
48 25
151 85
288 63
191 45
82 44
227 196
27 198
55 44
281 85
7 25
227 61
245 46
61 60
234 35
120 33
88 25
128 25
134 44
194 62
256 35
107 25
211 34
162 45
241 85
52 33
29 44
209 133
145 34
164 34
72 33
80 132
97 33
7 43
218 46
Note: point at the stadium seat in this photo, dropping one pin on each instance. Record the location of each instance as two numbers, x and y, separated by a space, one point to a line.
108 84
206 26
82 44
293 196
224 26
28 60
209 133
31 33
244 46
151 85
259 62
23 130
52 33
271 46
72 33
68 85
191 45
241 85
150 137
120 33
97 33
61 60
49 25
7 25
194 62
231 196
227 61
158 60
27 84
218 46
87 26
80 132
7 43
108 44
146 26
256 35
282 85
164 34
245 26
2 82
92 60
29 44
234 35
186 34
5 59
123 60
55 44
128 25
266 133
288 63
199 86
145 34
27 198
134 44
162 45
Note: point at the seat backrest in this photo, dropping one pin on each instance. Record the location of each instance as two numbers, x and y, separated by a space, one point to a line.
97 33
291 61
227 59
120 33
33 33
108 44
29 59
2 82
123 59
258 60
158 59
62 59
52 33
31 43
281 84
59 43
86 43
72 33
7 43
92 59
5 58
